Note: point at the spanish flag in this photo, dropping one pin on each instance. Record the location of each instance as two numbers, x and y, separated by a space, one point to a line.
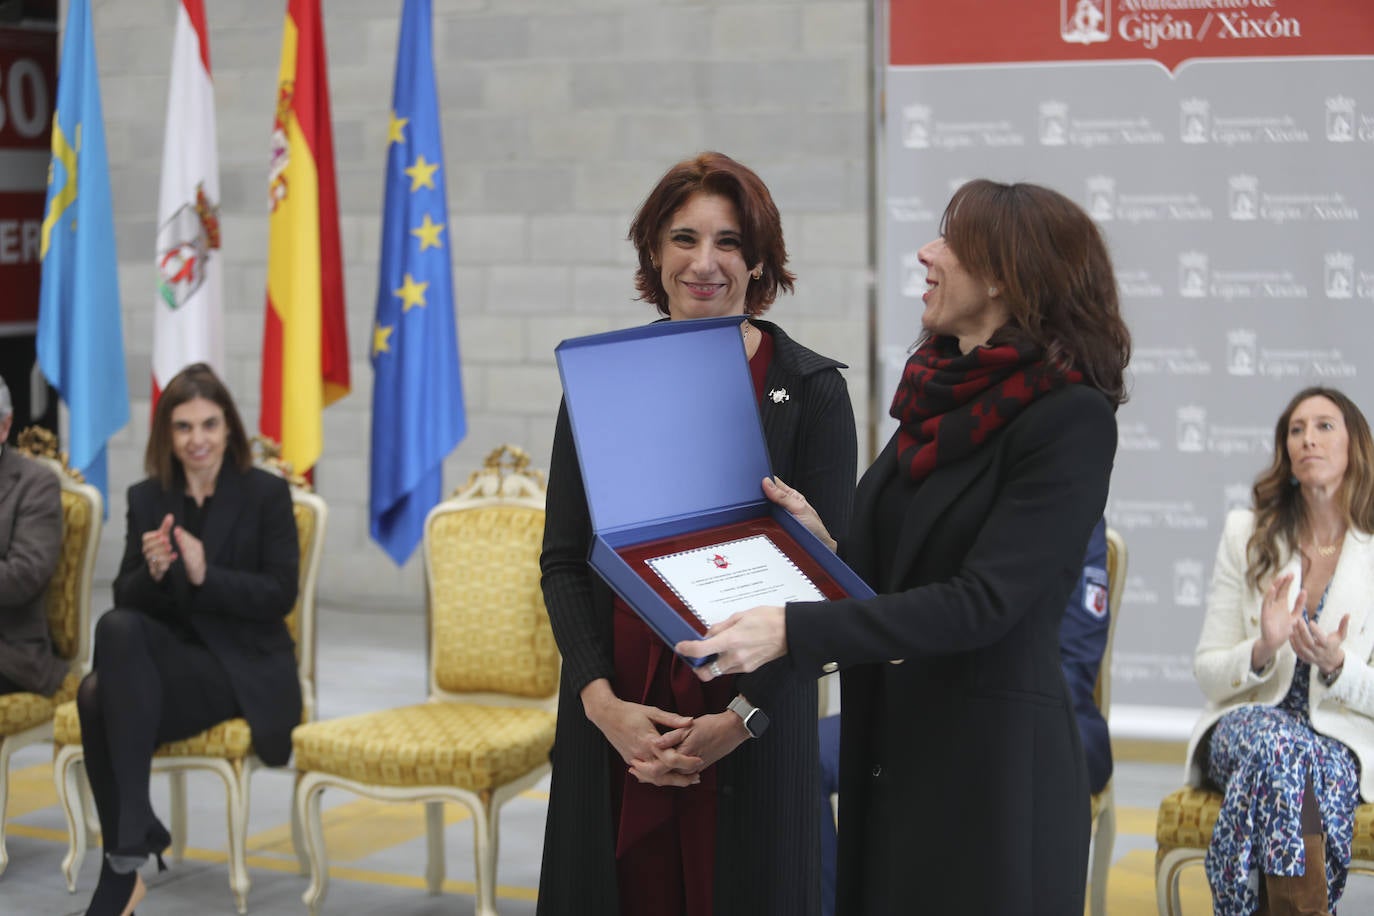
305 342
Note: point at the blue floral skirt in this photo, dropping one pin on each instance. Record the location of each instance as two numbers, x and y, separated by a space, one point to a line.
1263 756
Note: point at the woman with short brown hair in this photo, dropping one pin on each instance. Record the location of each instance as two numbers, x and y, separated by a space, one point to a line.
712 817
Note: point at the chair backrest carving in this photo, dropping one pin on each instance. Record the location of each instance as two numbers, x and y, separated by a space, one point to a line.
490 639
68 600
1116 584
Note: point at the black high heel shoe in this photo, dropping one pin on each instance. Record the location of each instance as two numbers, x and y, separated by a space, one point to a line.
115 894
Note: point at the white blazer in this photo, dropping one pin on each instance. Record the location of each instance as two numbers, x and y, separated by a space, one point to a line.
1345 710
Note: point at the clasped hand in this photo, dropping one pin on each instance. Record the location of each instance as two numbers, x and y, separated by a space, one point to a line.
1310 643
674 757
159 553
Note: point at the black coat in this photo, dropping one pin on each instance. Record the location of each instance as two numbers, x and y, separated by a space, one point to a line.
767 830
962 782
252 558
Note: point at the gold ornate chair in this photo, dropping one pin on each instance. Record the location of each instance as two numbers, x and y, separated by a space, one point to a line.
1183 831
1104 802
27 718
225 749
485 734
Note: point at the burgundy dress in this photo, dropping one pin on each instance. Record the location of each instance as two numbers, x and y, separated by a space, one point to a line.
666 835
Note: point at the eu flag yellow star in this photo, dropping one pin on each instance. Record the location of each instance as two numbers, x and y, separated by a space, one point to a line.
395 132
422 174
411 293
428 233
381 339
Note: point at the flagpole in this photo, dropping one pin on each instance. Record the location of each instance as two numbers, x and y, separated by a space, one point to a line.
64 420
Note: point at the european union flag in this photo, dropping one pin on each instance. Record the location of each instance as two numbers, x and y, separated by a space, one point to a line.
417 391
80 343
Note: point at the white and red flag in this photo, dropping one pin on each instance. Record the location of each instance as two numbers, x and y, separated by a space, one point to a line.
188 308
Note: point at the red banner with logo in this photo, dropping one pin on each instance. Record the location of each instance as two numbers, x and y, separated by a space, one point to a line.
28 87
1168 31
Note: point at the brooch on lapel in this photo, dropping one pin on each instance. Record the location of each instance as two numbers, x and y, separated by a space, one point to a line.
778 395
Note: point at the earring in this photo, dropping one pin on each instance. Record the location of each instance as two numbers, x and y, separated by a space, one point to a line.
1292 480
992 290
757 274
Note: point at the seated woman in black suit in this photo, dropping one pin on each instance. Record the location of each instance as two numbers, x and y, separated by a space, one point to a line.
198 632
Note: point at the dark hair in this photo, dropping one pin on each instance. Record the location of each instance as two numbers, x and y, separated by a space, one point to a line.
1278 503
1051 265
195 381
760 226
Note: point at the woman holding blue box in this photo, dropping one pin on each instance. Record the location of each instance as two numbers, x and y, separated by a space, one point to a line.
671 796
962 779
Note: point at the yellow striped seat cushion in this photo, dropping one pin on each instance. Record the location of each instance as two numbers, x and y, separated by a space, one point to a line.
1363 845
1187 817
22 711
429 744
229 740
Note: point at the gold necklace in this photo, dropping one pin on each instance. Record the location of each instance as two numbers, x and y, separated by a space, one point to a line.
1328 550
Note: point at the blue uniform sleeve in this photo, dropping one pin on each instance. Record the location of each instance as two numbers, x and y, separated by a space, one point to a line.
1082 641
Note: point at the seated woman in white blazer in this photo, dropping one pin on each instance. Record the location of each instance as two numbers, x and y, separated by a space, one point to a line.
1284 660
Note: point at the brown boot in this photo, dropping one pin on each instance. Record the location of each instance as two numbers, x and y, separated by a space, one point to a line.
1305 894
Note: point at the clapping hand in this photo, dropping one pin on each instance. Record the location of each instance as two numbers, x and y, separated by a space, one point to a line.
1277 622
1319 649
192 554
157 549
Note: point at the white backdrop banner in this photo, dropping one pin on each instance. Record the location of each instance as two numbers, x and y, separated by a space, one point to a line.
1226 150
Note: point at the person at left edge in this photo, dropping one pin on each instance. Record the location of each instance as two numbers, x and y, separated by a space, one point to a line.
703 819
30 546
198 632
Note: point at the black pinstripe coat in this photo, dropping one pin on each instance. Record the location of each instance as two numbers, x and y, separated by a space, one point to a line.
767 840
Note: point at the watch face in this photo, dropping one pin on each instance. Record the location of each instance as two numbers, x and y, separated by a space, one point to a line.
757 723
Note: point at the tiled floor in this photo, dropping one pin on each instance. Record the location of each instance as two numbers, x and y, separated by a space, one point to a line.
377 851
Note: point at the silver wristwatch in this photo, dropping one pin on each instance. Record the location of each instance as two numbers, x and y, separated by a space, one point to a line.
755 719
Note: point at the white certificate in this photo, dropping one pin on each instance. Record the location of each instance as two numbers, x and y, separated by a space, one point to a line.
715 582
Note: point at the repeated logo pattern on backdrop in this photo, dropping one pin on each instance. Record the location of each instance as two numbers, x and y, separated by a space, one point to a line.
1224 148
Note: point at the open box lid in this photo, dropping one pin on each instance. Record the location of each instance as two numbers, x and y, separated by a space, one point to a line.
665 421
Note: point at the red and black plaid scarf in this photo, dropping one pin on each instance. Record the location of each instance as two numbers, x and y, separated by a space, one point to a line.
948 402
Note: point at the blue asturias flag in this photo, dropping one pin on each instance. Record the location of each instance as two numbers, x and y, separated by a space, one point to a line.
80 343
417 392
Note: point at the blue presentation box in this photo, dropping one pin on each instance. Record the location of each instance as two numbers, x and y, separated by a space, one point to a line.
672 453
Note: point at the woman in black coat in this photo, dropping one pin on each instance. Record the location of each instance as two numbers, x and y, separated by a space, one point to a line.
703 819
963 786
198 632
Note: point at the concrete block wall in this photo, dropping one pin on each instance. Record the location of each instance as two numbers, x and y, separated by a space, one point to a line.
558 116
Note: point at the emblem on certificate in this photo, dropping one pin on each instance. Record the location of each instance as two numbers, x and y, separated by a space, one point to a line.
716 581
